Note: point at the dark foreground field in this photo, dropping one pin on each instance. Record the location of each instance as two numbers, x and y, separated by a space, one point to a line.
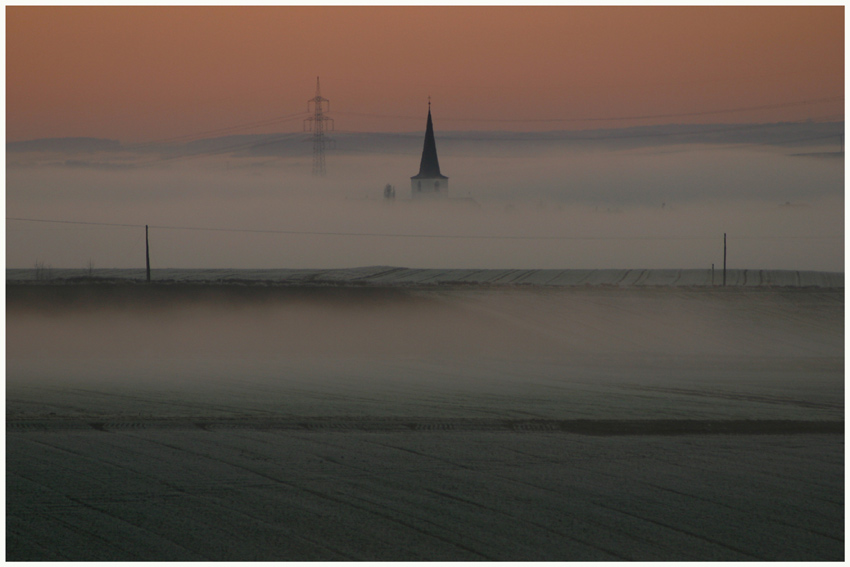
447 423
224 493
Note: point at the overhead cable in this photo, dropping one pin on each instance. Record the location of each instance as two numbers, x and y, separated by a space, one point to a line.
408 235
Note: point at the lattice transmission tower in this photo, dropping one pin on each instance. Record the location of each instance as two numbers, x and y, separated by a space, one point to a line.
316 124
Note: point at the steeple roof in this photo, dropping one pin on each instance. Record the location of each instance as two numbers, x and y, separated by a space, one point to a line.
429 167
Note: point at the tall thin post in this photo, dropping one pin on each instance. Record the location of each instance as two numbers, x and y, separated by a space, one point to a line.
724 259
147 254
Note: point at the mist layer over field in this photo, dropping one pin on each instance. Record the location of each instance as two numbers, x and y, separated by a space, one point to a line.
555 354
644 205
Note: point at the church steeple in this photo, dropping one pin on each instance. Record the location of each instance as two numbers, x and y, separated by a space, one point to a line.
429 181
429 167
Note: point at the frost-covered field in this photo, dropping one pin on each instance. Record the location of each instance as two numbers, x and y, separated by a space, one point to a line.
629 421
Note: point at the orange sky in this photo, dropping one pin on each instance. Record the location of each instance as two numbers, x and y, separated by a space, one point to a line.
145 73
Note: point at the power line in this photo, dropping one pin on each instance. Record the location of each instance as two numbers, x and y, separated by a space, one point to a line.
570 136
629 135
75 222
245 126
605 85
613 118
227 149
548 138
403 235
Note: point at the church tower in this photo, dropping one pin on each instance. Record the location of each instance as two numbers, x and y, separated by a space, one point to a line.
429 183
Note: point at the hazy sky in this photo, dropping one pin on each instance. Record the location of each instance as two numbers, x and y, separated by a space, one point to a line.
142 74
146 73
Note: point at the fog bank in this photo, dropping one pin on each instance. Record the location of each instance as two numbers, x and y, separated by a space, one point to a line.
647 205
534 353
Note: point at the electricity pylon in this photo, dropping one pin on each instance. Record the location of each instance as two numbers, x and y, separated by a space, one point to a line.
316 124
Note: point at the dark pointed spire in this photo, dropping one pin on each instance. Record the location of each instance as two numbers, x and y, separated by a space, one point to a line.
429 167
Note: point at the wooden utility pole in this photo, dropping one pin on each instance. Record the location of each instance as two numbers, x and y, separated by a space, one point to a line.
724 259
147 254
